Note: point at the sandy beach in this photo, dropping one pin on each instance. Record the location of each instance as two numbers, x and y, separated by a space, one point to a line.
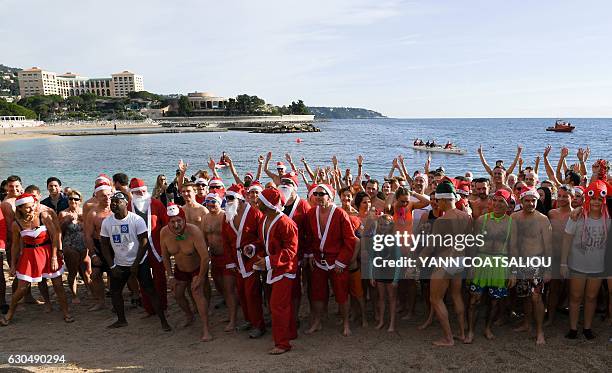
24 133
88 345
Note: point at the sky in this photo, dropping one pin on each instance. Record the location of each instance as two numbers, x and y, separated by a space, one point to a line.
405 59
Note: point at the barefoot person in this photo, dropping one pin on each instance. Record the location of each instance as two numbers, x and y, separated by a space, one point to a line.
583 257
239 240
279 235
448 278
34 255
73 244
185 243
558 220
330 252
223 277
531 237
495 228
124 242
153 212
93 223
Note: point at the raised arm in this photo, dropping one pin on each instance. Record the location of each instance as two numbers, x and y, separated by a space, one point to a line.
484 161
519 150
233 170
564 153
260 161
403 169
308 169
394 165
182 166
582 157
212 168
549 171
290 161
427 164
265 167
537 164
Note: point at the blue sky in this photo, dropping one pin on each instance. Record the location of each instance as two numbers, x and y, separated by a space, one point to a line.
402 58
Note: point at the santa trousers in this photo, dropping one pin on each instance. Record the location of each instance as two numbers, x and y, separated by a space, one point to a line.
249 294
159 278
281 308
319 280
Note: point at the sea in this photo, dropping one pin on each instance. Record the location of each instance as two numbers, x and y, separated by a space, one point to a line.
78 160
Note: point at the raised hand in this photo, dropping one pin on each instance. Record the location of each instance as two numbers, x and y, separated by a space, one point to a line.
288 157
547 151
580 154
360 160
395 164
211 164
228 160
268 156
182 166
334 161
260 160
519 149
564 152
400 158
480 149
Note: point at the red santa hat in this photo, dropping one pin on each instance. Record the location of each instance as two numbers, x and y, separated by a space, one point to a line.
281 165
255 185
250 175
236 190
213 196
102 178
290 176
273 199
137 185
506 195
103 185
174 210
216 182
327 188
527 191
25 198
464 188
311 189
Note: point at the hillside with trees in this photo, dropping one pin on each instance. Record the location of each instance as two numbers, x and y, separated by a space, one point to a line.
322 112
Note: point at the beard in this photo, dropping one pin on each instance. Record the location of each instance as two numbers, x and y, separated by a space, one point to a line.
231 210
286 191
142 203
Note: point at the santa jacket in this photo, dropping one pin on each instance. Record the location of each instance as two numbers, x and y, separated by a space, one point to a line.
333 244
236 238
298 213
280 241
157 218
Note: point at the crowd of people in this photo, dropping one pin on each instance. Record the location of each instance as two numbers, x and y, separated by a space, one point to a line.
268 248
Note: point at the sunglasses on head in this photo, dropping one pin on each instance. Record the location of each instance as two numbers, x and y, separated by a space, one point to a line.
319 194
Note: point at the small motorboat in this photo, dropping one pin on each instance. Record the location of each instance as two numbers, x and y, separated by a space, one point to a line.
561 126
220 165
439 149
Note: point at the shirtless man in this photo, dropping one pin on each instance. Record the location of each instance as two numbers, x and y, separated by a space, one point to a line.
495 227
454 222
92 202
480 205
193 210
372 189
558 220
186 244
224 278
93 223
531 236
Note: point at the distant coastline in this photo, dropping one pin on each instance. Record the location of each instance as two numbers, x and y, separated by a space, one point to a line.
324 112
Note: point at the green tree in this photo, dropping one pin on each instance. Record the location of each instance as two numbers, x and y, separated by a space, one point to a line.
184 107
9 108
298 108
74 102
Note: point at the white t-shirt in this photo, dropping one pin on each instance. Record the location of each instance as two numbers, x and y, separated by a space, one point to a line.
123 236
589 244
417 213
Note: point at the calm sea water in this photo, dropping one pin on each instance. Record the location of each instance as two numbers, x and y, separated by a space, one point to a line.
78 160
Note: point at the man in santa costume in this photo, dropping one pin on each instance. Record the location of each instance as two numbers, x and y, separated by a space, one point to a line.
279 235
154 214
239 238
253 192
332 241
296 208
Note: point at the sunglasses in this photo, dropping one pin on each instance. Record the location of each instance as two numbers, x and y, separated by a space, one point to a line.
73 199
230 198
214 187
210 201
319 194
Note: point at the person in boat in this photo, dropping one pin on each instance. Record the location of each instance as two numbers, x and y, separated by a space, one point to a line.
427 144
416 142
449 145
432 144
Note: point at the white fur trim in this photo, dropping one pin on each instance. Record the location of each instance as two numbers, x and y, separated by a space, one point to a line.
327 189
173 210
269 204
530 192
103 187
232 193
339 264
139 189
24 200
445 196
255 187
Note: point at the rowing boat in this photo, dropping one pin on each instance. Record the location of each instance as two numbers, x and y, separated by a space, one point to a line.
438 149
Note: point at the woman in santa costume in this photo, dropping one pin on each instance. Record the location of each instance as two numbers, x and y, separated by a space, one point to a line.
332 242
279 235
154 214
35 254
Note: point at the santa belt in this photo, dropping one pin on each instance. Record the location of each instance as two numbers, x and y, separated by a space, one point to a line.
34 246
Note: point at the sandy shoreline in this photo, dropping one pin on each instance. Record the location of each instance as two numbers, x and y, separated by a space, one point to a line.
88 346
27 133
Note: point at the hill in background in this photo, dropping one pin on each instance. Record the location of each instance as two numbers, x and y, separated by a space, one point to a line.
322 112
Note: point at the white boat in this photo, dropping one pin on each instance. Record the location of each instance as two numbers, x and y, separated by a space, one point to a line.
439 149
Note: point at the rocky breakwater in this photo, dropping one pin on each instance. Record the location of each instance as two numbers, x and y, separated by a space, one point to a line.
287 128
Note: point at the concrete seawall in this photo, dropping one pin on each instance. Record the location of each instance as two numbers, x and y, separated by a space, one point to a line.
237 121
